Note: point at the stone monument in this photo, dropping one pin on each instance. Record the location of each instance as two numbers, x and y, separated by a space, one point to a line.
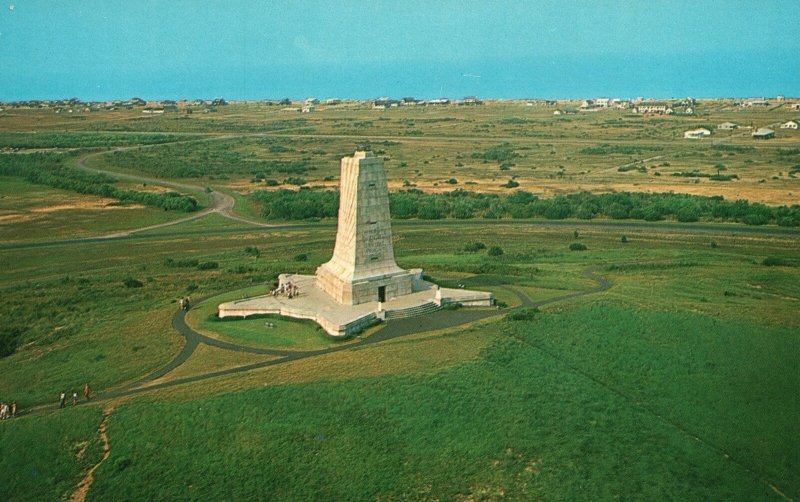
363 268
361 284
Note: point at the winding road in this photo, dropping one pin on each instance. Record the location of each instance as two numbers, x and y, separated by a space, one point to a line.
392 329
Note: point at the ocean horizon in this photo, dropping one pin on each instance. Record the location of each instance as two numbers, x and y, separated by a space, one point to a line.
733 74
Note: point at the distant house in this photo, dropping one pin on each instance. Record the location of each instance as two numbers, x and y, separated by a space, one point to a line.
312 101
557 112
384 103
795 106
763 133
697 133
754 102
789 125
472 100
153 111
727 126
653 107
308 108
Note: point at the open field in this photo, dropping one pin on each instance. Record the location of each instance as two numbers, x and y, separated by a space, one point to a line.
677 382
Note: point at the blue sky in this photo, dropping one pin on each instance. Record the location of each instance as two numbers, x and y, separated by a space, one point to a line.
249 50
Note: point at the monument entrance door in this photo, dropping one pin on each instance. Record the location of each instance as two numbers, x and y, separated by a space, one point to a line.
382 293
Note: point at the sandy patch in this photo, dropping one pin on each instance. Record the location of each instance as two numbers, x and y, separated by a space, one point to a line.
40 212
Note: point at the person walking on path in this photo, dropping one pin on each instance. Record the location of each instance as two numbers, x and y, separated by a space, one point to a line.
13 409
74 398
87 392
61 399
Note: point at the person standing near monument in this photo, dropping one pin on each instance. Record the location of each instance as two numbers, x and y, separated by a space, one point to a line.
87 392
61 399
74 398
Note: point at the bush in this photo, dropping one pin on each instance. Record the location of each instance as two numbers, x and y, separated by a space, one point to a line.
624 239
208 265
8 340
130 282
474 247
182 263
577 246
773 261
301 257
523 314
495 251
252 251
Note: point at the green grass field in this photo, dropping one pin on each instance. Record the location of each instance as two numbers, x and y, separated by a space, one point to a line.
678 383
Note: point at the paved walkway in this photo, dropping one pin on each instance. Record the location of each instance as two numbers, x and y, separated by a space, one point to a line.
395 328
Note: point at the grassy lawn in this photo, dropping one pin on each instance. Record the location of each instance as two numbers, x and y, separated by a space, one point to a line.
48 467
266 331
519 422
680 382
31 212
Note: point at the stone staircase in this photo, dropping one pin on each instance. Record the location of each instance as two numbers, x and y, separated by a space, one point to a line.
425 308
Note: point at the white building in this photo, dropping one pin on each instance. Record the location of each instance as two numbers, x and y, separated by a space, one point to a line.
789 125
697 133
727 126
652 107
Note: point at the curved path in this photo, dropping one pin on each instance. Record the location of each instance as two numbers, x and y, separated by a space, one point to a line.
395 328
221 203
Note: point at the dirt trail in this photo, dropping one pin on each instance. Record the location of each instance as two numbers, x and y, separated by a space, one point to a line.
79 495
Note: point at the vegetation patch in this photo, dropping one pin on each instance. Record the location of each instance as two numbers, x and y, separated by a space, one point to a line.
49 170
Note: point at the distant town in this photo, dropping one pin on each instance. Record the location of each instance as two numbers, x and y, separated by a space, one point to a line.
646 107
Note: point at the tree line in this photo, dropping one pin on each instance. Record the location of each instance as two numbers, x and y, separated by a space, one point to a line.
49 170
461 204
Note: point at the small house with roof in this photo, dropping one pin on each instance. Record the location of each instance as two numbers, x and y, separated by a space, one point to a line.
699 133
727 126
653 107
792 124
763 133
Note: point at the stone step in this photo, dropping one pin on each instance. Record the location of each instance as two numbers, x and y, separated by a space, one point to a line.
425 308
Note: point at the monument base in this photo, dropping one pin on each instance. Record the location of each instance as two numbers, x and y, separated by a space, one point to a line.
311 302
380 288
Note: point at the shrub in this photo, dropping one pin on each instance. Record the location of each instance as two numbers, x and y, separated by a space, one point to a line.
208 265
474 247
130 282
623 239
301 257
577 246
182 263
495 251
773 261
523 314
252 251
510 184
8 340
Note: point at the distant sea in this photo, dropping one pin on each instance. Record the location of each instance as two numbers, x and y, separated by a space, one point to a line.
700 75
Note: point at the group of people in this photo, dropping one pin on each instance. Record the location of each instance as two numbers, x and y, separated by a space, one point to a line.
62 398
286 289
185 303
8 410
